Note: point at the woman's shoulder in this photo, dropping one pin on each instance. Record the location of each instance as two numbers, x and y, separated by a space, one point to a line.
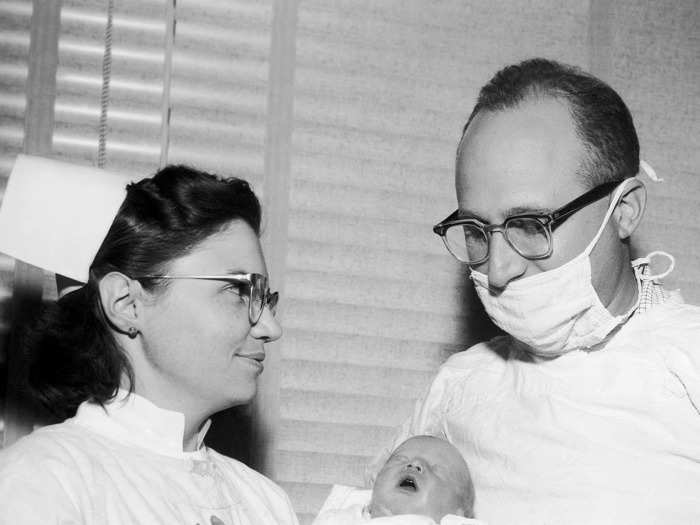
258 490
250 477
53 443
237 467
46 463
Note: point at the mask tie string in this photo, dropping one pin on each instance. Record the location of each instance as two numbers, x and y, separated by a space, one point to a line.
640 262
649 171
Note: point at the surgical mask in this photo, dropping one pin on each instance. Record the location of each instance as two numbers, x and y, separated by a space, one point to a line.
557 311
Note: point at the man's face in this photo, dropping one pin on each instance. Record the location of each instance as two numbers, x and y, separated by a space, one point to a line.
424 475
523 160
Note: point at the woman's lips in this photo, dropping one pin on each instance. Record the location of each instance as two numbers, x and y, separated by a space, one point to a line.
255 359
256 356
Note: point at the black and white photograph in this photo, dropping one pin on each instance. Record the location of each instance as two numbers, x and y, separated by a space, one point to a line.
336 262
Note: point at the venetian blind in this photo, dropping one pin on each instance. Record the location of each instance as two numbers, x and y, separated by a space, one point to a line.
219 86
209 83
135 83
15 19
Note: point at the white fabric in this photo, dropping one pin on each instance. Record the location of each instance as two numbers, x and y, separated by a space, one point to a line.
347 506
611 436
345 496
126 465
56 214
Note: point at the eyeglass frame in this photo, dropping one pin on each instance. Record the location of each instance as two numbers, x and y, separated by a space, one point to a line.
269 300
550 221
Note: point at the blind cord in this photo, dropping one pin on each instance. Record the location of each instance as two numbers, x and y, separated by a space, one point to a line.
104 94
166 107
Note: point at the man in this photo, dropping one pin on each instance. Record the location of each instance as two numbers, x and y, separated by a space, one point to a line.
588 409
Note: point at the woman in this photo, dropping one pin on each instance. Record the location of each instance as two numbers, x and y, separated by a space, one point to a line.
169 329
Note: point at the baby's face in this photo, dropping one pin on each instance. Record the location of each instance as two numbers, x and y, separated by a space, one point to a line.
425 475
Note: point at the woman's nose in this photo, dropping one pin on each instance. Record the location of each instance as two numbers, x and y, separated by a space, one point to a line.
267 327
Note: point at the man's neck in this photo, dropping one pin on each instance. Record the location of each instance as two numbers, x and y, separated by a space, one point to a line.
626 294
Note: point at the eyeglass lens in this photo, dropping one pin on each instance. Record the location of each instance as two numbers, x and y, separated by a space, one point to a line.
528 235
260 297
470 242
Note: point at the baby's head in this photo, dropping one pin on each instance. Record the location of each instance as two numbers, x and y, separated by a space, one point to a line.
424 475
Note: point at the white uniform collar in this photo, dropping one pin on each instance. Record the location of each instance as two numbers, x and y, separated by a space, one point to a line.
133 419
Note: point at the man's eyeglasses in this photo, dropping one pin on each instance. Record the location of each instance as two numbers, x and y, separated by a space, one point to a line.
252 287
529 234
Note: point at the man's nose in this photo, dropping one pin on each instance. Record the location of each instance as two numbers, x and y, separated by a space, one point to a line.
504 263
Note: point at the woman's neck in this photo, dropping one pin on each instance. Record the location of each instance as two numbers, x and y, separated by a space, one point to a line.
194 416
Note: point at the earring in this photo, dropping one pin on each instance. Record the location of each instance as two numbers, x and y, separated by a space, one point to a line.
132 331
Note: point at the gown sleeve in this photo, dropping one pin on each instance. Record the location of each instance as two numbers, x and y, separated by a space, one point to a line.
31 493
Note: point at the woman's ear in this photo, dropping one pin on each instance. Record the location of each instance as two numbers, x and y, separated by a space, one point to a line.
121 299
630 208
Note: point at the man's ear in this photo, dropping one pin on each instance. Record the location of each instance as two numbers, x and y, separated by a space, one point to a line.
121 299
630 208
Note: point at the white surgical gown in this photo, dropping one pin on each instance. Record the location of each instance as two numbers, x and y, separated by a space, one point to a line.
607 436
126 465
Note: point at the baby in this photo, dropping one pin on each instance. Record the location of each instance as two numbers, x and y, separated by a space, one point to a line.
424 481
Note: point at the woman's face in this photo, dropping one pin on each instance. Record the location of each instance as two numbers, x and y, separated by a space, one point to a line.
199 351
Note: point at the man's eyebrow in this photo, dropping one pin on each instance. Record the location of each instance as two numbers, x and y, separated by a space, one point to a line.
467 214
527 210
510 212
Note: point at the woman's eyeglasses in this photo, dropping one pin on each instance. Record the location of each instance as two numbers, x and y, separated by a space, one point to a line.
253 285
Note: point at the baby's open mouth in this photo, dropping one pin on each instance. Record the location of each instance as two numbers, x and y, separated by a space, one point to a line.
408 483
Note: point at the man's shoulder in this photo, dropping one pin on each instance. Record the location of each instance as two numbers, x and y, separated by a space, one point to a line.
670 318
494 351
671 330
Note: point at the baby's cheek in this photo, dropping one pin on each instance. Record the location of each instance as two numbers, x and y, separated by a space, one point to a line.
380 505
446 500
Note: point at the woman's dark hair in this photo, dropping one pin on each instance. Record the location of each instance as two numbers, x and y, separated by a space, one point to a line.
74 356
